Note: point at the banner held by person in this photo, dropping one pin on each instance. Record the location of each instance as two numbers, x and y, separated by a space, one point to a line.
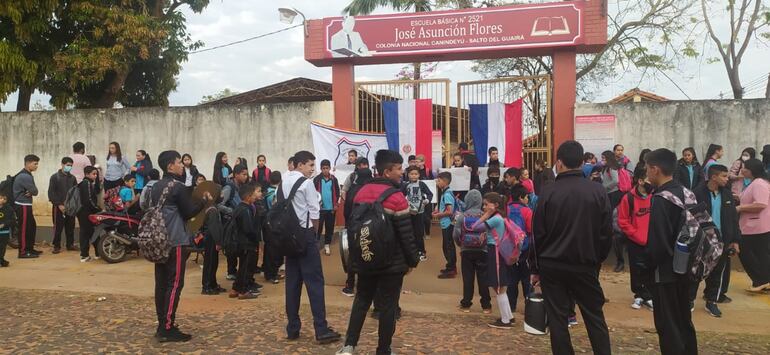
335 143
498 125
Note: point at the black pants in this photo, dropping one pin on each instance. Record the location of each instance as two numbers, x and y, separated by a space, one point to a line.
474 268
272 259
350 282
243 279
558 287
717 282
3 244
326 226
232 263
673 319
62 223
428 215
418 228
388 290
210 264
27 228
640 280
306 270
86 232
169 281
618 245
755 257
519 275
450 253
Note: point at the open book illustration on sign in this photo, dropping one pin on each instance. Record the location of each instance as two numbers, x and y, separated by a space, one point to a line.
550 26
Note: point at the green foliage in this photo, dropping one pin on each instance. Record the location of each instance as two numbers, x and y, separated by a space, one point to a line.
218 96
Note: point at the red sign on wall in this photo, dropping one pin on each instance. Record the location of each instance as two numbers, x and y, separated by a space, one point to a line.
441 32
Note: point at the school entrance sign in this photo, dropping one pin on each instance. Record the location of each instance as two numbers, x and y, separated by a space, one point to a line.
560 29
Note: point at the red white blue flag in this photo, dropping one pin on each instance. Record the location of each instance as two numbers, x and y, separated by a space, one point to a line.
498 125
408 128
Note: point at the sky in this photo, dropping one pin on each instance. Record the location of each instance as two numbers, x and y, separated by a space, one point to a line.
280 57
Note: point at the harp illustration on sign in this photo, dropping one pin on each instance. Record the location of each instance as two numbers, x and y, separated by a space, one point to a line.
550 26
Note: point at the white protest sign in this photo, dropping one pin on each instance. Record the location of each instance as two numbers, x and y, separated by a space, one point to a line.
433 189
461 178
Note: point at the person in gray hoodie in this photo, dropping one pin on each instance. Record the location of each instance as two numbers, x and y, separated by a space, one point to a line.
24 189
473 261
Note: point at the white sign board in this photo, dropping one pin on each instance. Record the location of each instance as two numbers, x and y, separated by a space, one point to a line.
461 178
433 189
342 172
596 133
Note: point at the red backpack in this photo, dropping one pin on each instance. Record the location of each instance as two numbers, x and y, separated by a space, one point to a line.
112 200
624 180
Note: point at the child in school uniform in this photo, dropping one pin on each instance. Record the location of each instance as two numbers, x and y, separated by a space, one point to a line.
418 195
445 214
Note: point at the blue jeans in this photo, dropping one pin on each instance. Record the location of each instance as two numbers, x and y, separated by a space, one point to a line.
306 270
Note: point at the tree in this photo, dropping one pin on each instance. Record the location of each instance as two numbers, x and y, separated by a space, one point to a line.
218 96
747 18
633 25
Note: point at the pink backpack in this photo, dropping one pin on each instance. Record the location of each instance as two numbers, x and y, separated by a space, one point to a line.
510 245
624 180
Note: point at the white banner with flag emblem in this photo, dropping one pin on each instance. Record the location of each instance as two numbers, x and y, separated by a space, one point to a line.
334 144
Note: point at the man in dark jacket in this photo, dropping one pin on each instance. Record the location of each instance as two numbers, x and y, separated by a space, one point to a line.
572 237
61 182
177 208
717 199
248 237
24 189
386 282
670 291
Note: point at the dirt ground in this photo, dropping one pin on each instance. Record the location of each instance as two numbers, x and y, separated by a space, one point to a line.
51 306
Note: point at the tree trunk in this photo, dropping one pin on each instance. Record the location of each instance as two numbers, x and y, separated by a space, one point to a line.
735 83
417 76
25 96
110 95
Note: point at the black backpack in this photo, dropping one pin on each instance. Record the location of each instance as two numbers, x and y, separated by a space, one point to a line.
288 235
230 233
371 237
6 188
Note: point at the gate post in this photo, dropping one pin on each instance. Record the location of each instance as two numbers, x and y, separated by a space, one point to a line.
564 93
343 89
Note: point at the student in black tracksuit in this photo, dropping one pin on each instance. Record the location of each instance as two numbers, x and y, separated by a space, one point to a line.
670 291
88 206
247 237
58 186
24 190
212 234
718 200
572 229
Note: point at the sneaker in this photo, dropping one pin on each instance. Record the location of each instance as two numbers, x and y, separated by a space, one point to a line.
713 309
255 291
465 309
329 337
572 321
423 257
38 252
486 311
448 275
248 296
85 259
273 281
233 294
348 291
327 250
692 306
96 257
498 324
620 267
72 248
648 304
56 250
637 303
173 335
347 350
231 277
28 256
725 299
209 292
4 263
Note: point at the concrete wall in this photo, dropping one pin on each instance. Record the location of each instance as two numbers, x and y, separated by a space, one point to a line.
275 130
679 124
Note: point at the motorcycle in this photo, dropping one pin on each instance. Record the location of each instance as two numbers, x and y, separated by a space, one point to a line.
115 234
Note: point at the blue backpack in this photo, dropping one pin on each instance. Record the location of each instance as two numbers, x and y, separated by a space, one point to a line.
514 214
470 238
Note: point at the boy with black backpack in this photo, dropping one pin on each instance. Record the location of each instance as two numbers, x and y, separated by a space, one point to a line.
382 251
58 186
246 235
272 259
473 253
670 290
211 230
520 213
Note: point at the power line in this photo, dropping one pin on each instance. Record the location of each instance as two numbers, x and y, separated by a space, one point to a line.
247 39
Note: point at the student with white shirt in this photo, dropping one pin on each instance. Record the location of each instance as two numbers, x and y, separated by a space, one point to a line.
306 268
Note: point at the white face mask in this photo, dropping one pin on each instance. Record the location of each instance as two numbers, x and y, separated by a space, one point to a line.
745 157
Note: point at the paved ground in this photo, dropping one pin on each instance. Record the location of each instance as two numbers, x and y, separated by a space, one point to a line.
50 305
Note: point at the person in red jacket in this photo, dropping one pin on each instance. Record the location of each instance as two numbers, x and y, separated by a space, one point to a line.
634 220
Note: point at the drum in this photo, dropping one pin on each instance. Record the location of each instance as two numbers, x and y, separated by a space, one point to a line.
194 224
535 318
344 250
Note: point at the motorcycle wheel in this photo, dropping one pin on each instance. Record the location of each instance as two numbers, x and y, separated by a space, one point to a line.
111 249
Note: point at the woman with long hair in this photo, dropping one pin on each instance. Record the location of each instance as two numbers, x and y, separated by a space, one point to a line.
190 172
713 154
755 226
222 171
261 173
641 162
141 169
622 160
689 172
737 180
117 167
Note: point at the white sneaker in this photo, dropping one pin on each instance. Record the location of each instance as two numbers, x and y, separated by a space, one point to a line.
95 257
637 303
85 260
327 250
347 350
423 257
648 304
